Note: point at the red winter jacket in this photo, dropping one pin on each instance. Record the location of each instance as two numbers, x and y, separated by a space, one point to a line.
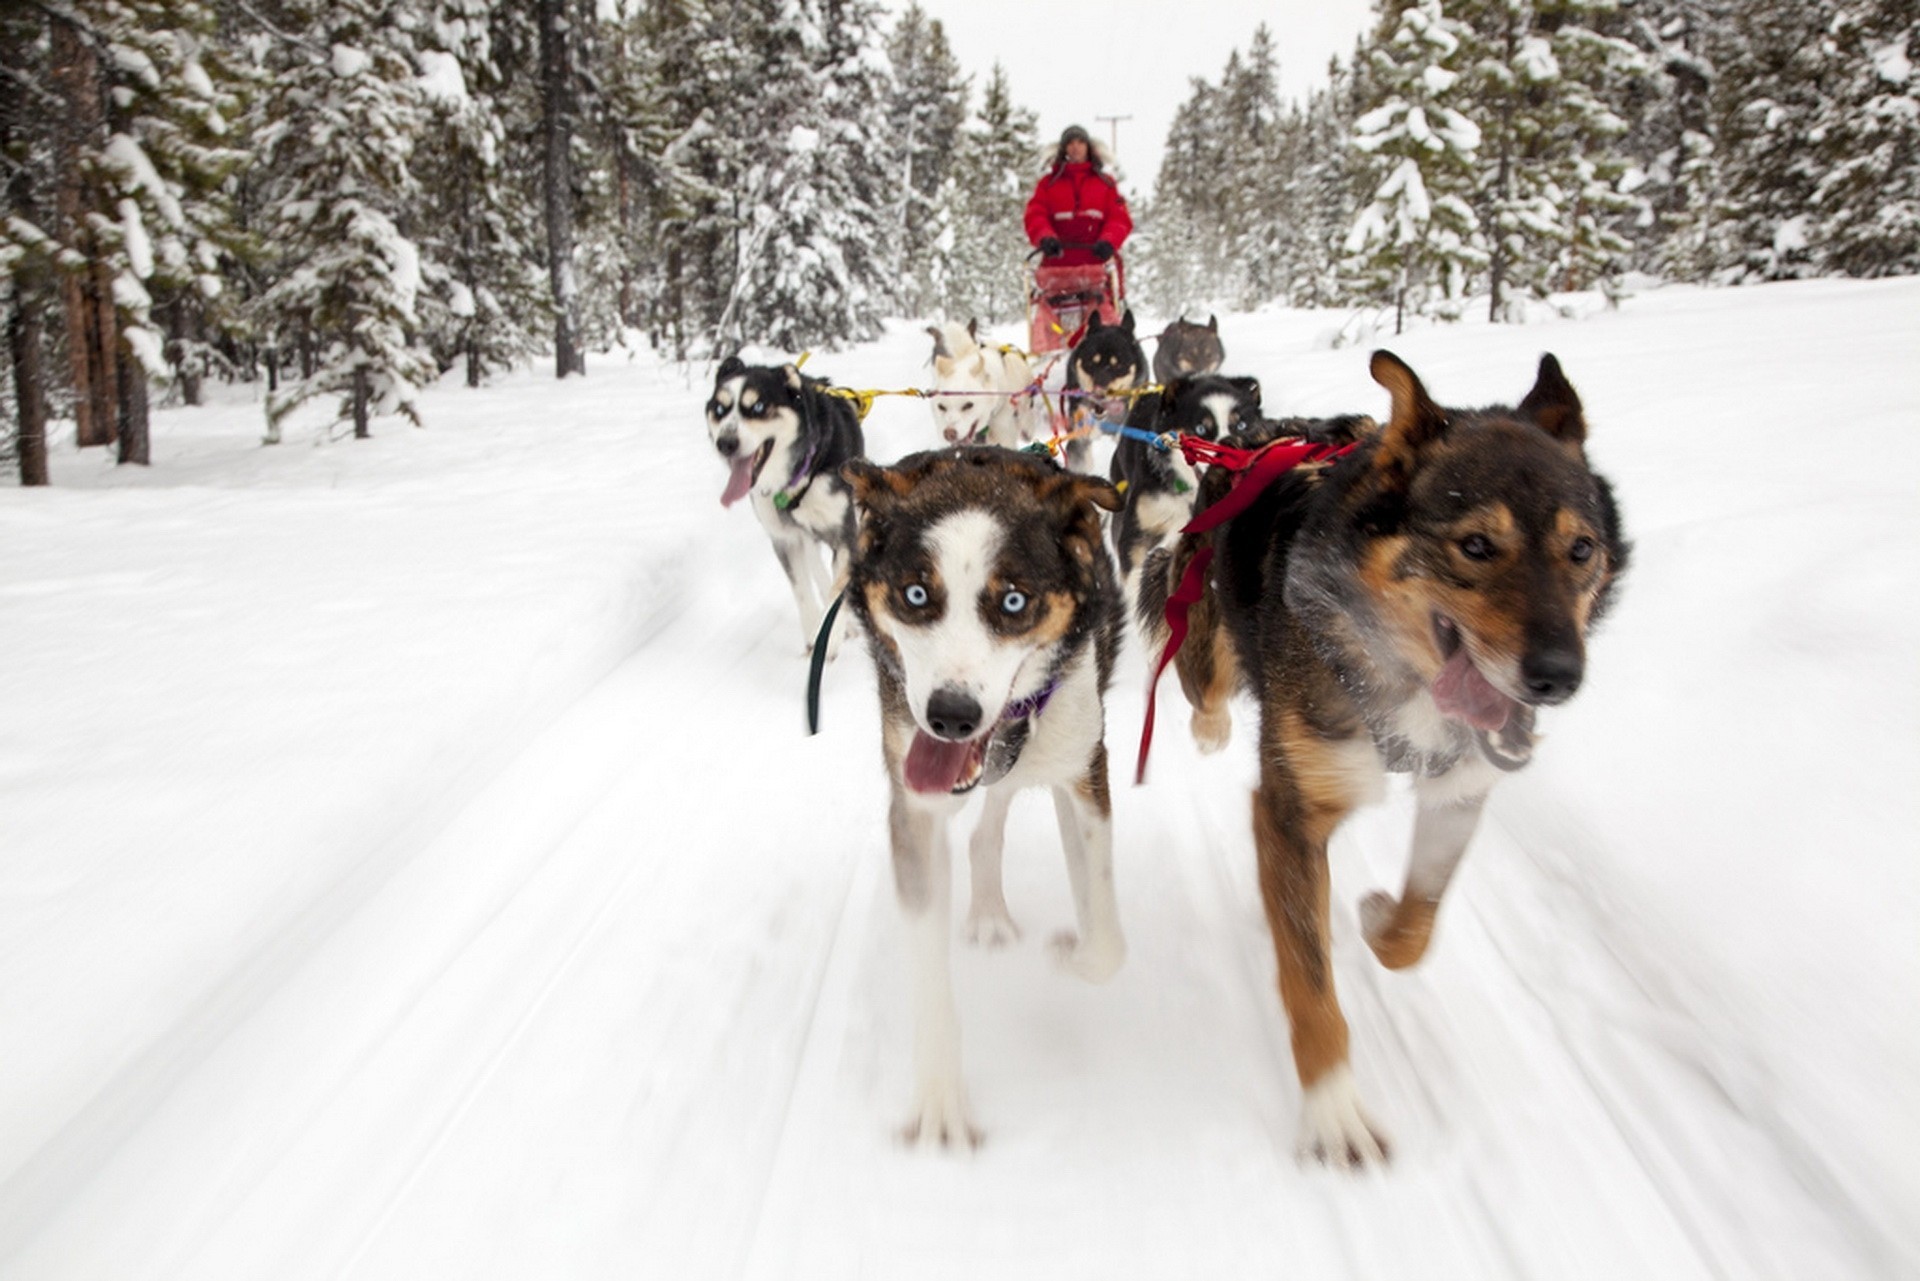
1077 204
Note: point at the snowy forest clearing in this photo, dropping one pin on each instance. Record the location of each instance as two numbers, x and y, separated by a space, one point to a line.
415 866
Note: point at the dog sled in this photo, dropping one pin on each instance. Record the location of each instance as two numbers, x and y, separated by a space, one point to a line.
1060 298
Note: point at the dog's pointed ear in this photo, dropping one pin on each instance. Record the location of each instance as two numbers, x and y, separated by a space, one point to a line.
1074 496
939 340
1553 405
1093 322
875 488
728 368
794 381
973 328
1126 321
1415 420
1251 386
1213 322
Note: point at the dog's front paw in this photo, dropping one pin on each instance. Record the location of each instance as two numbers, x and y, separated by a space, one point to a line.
940 1118
1397 932
1335 1129
1212 731
1096 960
991 927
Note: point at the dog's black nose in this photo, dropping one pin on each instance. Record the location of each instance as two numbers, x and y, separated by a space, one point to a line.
1552 675
727 444
953 714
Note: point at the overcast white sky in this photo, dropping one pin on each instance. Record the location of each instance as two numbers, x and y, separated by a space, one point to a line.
1073 61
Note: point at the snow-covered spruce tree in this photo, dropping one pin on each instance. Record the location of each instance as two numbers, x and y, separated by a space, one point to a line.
28 294
486 303
1417 243
1549 159
1673 180
1776 72
926 106
1181 265
341 120
1327 191
1866 205
1259 143
138 106
987 192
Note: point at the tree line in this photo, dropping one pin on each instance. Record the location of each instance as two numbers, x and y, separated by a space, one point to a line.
1480 153
348 198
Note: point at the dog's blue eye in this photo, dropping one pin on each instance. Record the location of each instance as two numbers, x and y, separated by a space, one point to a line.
916 595
1477 547
1013 602
1582 550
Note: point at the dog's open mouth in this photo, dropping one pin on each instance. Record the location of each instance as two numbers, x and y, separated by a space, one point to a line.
746 470
1460 690
940 765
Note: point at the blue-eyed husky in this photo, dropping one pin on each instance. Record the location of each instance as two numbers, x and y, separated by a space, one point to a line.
989 604
784 439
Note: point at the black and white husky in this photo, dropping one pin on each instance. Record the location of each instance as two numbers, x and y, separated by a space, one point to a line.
1159 485
784 440
989 604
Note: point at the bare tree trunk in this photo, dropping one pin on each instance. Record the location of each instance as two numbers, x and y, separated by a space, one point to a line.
135 434
556 73
92 335
26 334
361 395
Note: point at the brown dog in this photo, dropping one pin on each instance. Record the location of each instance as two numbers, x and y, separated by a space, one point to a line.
1405 608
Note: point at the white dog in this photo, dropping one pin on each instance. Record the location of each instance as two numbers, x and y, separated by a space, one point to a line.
998 416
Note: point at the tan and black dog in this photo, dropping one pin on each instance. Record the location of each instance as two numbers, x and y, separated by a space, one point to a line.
989 604
1405 608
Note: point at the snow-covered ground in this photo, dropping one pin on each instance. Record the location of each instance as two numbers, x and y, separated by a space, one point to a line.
412 864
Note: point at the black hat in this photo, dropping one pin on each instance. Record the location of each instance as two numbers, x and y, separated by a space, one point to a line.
1074 131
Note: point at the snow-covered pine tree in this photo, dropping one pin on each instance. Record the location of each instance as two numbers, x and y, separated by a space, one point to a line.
1258 142
1866 205
1673 180
1550 158
345 109
1326 192
486 305
926 107
1180 266
987 192
27 290
1417 244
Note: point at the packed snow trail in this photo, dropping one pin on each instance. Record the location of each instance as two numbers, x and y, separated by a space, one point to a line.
619 989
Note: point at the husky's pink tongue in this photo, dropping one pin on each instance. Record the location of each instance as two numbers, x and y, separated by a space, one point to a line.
739 481
934 764
1464 694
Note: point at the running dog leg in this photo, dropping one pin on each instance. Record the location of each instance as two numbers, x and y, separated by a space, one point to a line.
795 555
989 924
1398 930
1303 796
923 879
1085 814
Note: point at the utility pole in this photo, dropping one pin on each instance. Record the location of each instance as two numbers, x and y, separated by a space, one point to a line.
1113 132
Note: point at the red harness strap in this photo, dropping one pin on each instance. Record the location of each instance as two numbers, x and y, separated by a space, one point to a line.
1256 468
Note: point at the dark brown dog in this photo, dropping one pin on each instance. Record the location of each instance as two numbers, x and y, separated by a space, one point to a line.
1405 608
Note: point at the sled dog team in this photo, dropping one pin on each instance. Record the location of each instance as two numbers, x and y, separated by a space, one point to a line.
1404 603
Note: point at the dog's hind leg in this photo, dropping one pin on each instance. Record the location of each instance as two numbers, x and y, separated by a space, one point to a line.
923 879
1303 796
1398 930
989 923
1208 671
1085 814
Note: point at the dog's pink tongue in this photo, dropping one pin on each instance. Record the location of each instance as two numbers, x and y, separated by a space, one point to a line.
739 481
934 764
1464 694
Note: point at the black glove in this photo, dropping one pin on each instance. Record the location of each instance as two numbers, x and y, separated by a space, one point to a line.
1102 250
1049 246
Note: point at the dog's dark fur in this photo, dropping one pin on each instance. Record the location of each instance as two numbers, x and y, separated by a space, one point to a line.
1405 608
978 692
1187 348
791 437
1107 359
1158 486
